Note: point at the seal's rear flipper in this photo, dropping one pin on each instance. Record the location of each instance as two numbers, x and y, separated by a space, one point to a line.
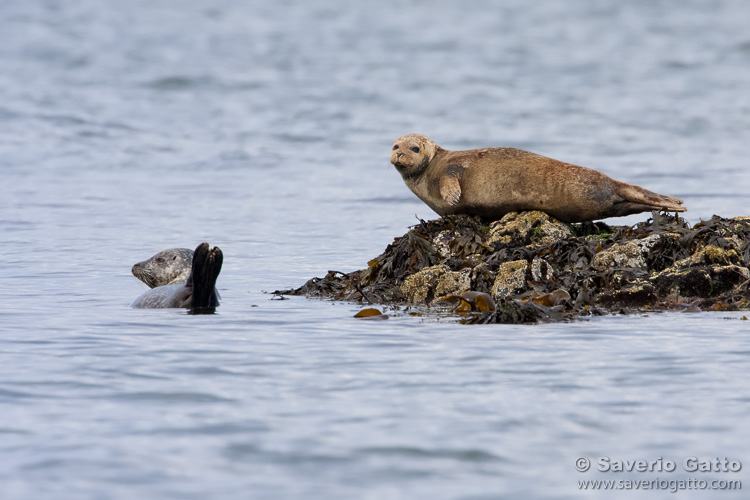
636 200
206 268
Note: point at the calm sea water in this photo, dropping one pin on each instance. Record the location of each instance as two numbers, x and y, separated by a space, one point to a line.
265 128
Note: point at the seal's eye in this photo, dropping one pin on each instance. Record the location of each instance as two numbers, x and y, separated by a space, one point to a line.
395 147
415 149
160 260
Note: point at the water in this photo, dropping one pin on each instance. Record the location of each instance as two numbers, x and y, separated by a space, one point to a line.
264 128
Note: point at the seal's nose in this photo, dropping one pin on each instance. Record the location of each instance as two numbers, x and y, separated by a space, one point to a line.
399 155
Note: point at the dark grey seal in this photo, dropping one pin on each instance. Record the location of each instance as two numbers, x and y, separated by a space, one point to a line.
198 293
168 267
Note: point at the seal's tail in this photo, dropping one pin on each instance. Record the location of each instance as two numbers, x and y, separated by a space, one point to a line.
636 200
206 268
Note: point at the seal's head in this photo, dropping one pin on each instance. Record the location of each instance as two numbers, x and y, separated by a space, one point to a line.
411 154
167 267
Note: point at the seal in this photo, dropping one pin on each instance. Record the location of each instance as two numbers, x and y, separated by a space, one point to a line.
198 293
167 267
492 182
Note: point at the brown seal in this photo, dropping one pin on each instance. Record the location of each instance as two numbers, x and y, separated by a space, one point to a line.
491 182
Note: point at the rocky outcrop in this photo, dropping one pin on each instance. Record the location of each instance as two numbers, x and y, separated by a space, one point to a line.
539 269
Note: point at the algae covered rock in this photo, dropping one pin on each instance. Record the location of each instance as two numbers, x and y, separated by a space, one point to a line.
528 228
539 269
708 255
631 254
510 279
637 294
434 282
703 282
462 238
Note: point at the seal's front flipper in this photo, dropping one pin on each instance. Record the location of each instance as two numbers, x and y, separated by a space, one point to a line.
450 188
206 268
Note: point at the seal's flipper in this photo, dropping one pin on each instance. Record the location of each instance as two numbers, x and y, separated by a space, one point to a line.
637 199
206 268
450 188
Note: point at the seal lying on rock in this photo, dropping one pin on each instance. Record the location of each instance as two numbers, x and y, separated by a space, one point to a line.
492 182
198 293
168 267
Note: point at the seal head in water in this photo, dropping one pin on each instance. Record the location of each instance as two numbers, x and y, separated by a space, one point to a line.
167 267
198 293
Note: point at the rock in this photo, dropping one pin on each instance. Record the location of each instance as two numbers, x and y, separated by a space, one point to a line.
708 255
684 282
435 281
453 282
442 242
540 270
534 262
632 254
725 278
704 282
420 286
638 294
461 237
458 243
528 228
511 278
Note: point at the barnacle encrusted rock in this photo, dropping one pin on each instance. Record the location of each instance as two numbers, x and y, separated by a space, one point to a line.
511 278
433 282
530 228
703 282
526 259
631 254
710 254
636 294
